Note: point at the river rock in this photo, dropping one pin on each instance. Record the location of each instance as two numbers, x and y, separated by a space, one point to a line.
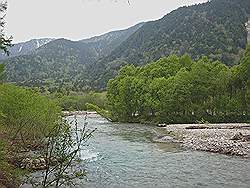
162 125
33 164
246 138
165 139
237 136
197 127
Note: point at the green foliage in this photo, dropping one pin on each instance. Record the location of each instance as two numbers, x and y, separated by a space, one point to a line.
2 74
179 90
241 81
78 101
102 112
64 144
26 114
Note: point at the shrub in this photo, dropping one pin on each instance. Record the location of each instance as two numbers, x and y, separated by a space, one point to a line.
26 115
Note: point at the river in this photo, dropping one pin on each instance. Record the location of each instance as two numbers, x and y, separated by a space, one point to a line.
124 155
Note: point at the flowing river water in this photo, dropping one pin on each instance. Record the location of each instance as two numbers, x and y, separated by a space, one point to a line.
125 155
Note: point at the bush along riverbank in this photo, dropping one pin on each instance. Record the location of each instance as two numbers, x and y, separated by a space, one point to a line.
179 90
26 117
34 137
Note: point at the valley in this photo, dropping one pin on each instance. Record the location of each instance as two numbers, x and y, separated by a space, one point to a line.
162 103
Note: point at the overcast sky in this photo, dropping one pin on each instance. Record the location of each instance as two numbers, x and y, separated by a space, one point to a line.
79 19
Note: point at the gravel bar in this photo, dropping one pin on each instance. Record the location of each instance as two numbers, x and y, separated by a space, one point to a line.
217 138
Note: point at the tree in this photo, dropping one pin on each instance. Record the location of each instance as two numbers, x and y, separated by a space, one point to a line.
5 42
179 90
28 116
64 144
241 81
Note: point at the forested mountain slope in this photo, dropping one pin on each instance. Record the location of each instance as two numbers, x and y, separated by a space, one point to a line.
216 29
62 63
106 43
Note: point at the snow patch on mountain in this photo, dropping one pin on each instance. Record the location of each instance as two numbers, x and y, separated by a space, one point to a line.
37 44
25 48
20 49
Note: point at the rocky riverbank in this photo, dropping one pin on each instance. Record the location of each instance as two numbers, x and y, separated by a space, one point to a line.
230 139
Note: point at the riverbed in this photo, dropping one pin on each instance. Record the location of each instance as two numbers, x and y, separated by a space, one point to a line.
125 155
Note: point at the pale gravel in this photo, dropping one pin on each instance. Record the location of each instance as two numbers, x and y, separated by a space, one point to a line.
213 140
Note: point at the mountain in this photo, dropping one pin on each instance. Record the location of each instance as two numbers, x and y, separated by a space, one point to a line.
106 43
216 29
24 48
60 61
63 62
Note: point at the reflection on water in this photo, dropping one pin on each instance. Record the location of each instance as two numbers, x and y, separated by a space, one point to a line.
124 155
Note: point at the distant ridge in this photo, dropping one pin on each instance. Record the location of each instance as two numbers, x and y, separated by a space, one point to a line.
106 43
62 62
24 48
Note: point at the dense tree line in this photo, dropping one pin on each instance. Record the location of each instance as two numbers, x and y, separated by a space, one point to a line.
179 90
